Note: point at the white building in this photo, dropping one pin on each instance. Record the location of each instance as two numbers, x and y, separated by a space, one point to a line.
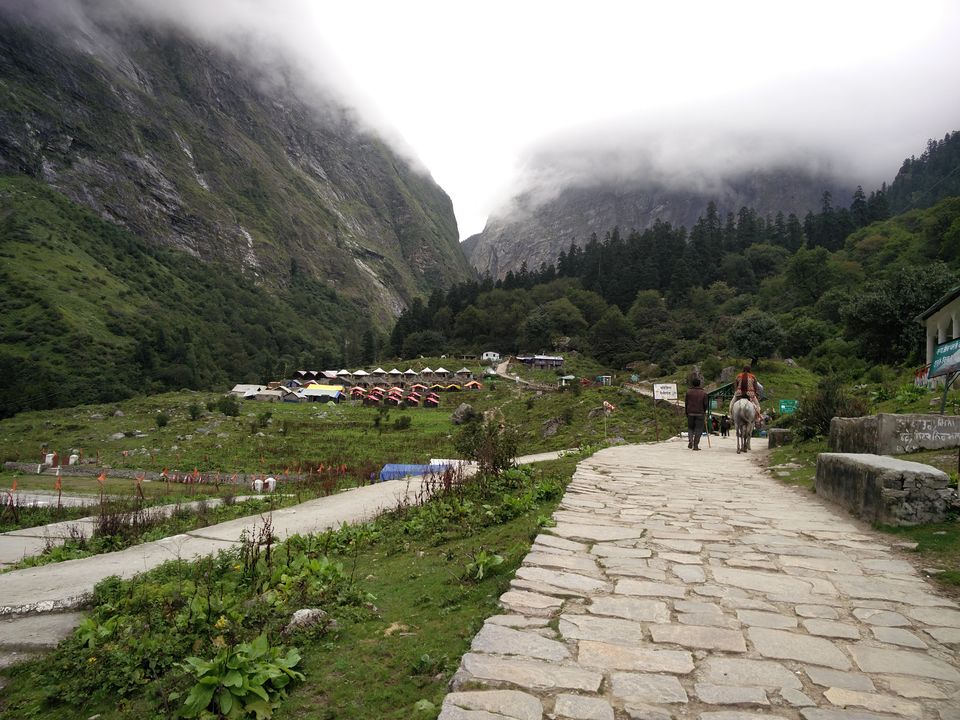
942 321
490 356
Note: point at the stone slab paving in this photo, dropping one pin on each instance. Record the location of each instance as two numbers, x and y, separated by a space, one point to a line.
691 585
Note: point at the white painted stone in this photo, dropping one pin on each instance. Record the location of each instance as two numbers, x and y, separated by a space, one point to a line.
694 636
630 608
742 671
647 688
885 618
507 641
578 707
831 628
898 636
785 645
609 656
871 701
511 704
902 662
757 618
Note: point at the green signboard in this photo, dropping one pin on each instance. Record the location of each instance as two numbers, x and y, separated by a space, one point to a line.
946 359
788 406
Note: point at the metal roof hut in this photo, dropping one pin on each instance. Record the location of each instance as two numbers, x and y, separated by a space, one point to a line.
441 373
361 378
379 376
464 374
426 374
410 374
345 376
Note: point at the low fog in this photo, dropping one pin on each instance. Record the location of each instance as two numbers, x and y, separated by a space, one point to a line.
499 97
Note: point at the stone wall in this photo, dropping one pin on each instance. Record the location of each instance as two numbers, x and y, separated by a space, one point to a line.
888 434
777 437
885 490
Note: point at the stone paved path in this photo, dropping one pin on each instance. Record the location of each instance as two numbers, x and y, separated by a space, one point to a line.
691 585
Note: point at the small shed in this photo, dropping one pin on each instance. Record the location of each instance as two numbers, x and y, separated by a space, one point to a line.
247 392
464 374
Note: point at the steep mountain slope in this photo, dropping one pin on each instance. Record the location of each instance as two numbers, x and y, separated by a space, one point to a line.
91 313
534 232
191 147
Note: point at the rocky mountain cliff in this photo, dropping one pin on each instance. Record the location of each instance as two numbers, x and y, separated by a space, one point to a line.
534 232
190 146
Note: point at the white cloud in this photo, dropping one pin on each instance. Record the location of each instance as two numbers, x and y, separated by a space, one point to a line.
476 89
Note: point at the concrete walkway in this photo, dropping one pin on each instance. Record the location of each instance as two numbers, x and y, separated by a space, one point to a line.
16 545
691 585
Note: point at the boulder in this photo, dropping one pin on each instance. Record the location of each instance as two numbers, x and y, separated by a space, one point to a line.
777 437
549 427
308 619
462 414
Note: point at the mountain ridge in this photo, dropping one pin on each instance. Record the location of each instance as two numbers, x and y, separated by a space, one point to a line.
189 147
532 232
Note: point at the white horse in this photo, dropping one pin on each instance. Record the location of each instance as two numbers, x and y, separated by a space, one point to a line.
744 416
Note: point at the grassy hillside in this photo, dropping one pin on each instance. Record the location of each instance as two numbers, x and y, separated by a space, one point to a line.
89 312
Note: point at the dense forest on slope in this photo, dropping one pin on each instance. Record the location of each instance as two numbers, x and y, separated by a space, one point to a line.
91 313
925 180
840 288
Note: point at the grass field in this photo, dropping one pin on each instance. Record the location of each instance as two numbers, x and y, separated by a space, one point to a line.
389 657
278 437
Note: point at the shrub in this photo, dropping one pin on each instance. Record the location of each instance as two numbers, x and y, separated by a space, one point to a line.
161 420
195 411
402 423
229 405
490 444
816 409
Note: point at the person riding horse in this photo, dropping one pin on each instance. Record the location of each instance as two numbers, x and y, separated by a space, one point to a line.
747 386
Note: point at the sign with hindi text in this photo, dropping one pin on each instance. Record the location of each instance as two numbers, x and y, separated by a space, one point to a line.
946 359
664 391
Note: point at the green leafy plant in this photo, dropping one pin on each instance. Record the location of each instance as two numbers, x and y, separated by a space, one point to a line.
195 410
161 419
481 563
248 680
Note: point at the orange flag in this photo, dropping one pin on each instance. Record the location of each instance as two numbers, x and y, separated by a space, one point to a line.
14 488
196 475
234 479
165 474
57 485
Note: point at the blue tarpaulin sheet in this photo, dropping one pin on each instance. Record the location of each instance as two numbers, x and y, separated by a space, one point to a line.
393 472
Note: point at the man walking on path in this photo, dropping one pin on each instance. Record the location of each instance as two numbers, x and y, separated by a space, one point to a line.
695 402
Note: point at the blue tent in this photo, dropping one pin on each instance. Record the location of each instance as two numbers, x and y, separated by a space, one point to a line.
395 472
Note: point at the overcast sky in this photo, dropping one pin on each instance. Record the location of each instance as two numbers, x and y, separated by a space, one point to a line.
476 89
